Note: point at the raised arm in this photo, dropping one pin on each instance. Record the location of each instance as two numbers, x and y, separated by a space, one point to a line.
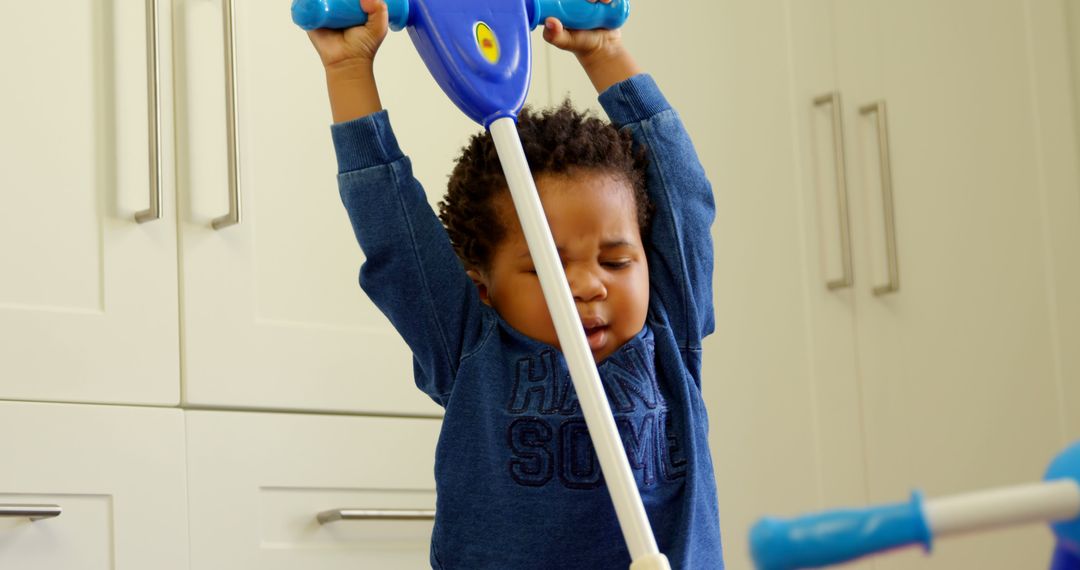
680 242
680 248
410 272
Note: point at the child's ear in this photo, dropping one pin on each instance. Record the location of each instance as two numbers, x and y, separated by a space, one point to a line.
481 285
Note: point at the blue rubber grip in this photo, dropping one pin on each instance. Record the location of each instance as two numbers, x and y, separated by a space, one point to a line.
837 536
580 14
340 14
1067 466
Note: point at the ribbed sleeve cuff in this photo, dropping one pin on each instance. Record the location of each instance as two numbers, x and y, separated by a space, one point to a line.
633 100
365 142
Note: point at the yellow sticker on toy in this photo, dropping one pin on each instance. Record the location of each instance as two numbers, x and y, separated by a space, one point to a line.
485 39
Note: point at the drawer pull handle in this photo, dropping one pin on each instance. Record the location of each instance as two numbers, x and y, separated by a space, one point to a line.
375 515
153 87
232 122
878 108
833 99
33 512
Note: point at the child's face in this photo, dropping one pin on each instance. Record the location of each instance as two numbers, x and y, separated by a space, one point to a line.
593 218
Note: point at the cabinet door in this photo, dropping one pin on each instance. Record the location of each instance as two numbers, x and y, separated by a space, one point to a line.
273 315
963 367
1064 206
258 482
1074 44
779 372
87 294
823 196
117 475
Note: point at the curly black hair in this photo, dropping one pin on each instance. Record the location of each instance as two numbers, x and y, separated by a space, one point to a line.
560 140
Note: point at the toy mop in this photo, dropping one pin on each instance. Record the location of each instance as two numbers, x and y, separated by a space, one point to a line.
479 53
839 536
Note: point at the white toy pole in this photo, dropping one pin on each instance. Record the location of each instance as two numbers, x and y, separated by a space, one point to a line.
1038 502
560 301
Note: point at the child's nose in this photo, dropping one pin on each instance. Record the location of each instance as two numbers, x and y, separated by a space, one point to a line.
586 285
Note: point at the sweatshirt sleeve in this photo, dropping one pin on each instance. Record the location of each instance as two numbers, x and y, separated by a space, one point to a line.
410 269
680 243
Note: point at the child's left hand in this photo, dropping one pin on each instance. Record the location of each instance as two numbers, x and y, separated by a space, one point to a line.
585 44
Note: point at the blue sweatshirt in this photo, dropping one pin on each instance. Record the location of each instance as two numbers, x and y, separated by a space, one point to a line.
518 483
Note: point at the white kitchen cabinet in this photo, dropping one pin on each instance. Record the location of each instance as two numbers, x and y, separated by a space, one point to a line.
825 397
963 369
87 294
258 481
963 378
273 316
117 475
266 313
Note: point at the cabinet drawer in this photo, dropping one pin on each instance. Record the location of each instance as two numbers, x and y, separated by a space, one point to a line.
117 476
259 481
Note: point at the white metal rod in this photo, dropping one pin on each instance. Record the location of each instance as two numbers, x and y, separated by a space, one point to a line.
1039 502
594 405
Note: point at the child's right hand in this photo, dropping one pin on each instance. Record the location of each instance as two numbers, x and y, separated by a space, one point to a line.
349 59
600 52
585 44
357 45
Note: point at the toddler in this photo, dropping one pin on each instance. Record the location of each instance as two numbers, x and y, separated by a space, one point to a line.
519 486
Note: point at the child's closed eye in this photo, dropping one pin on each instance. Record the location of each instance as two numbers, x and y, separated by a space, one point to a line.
616 263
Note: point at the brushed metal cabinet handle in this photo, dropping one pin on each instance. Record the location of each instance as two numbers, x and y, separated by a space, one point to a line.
231 123
153 81
833 99
33 512
879 109
375 515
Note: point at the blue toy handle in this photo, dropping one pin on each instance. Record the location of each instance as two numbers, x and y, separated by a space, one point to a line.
340 14
581 14
574 14
837 536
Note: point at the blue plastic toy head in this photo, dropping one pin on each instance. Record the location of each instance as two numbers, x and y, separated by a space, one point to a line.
1067 466
478 52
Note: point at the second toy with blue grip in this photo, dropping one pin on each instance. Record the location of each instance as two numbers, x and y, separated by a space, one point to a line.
834 537
818 540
